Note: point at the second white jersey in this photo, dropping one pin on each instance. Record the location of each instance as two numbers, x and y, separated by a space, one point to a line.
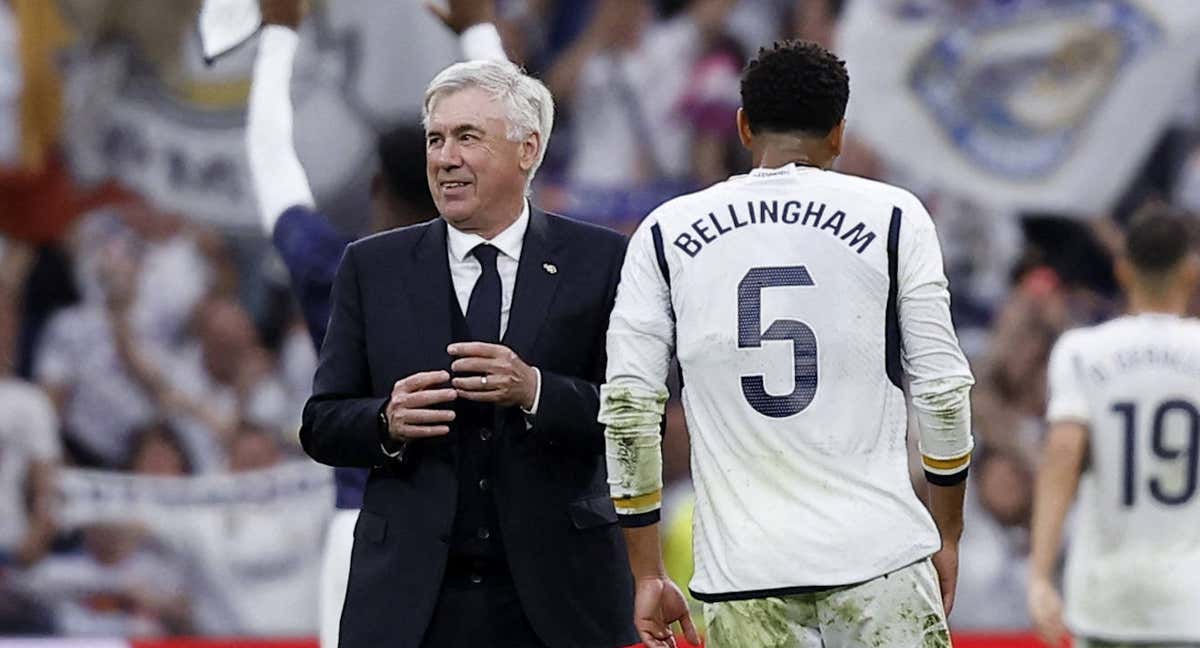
1133 568
787 310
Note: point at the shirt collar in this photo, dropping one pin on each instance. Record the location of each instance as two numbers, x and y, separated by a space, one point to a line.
790 167
509 242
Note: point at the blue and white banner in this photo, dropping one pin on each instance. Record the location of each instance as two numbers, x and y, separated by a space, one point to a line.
293 488
1021 104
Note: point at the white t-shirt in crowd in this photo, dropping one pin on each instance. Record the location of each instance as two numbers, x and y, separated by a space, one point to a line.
615 89
28 434
104 405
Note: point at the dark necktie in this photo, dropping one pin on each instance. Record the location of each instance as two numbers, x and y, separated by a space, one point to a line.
483 310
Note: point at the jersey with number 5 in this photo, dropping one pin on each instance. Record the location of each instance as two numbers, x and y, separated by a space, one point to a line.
1133 570
796 300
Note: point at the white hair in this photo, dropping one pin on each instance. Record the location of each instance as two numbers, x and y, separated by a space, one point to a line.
527 102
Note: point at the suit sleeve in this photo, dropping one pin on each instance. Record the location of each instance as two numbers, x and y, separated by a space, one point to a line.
341 419
568 407
940 378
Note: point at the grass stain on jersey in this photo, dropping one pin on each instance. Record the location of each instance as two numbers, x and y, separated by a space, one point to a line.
633 421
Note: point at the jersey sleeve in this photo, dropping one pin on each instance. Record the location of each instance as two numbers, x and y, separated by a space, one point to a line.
940 379
641 337
1066 400
278 177
482 43
311 249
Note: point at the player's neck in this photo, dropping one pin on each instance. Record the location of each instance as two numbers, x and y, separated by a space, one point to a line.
1169 304
777 153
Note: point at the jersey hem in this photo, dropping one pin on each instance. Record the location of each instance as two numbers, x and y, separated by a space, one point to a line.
768 593
792 590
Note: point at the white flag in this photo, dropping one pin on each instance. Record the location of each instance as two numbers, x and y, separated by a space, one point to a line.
1023 104
225 24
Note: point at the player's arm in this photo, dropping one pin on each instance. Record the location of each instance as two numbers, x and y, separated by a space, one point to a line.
1062 464
939 382
278 177
1057 482
475 23
641 336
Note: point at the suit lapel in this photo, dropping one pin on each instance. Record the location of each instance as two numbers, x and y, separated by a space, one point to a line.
427 282
537 279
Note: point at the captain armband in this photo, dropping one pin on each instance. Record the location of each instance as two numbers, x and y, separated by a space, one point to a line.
946 472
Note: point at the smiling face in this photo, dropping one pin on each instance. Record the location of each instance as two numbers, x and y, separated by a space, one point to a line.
476 175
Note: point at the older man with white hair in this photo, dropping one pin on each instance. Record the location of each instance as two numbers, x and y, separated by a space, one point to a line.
461 365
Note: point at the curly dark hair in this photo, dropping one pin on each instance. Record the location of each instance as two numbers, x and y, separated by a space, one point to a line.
795 86
1158 238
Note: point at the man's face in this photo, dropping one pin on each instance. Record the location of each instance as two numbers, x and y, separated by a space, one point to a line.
476 174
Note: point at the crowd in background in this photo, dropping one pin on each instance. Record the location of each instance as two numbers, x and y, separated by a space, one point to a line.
151 340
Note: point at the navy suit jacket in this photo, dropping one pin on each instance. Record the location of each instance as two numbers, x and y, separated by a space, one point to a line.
391 318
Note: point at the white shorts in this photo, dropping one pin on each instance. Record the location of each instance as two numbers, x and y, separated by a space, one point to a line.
900 610
335 573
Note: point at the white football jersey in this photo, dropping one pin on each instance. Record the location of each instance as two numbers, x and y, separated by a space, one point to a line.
1133 568
793 326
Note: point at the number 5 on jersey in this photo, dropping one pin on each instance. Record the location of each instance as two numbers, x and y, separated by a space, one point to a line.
751 336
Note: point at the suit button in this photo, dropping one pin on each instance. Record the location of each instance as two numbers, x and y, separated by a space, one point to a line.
445 538
476 579
484 533
484 484
485 434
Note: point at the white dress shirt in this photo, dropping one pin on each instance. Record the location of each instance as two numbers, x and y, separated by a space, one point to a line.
465 271
465 268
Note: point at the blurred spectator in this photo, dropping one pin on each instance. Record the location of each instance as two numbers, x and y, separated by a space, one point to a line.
252 565
253 448
816 20
220 377
29 456
709 104
10 89
79 360
156 451
623 82
114 585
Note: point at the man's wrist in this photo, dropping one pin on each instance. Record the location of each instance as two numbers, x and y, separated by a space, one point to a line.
534 398
390 446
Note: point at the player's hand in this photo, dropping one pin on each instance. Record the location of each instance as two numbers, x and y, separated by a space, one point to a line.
288 13
408 410
459 15
504 378
945 562
1045 608
658 603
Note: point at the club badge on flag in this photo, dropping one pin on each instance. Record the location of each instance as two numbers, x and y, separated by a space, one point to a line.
1022 104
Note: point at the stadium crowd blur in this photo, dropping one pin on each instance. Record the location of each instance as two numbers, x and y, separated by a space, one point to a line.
146 328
